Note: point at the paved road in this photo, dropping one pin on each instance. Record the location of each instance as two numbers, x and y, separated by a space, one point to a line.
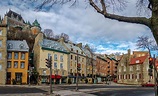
97 90
125 92
15 90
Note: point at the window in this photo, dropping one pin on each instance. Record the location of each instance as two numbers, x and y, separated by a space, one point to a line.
9 64
75 57
61 58
62 72
9 55
71 57
10 46
0 66
0 32
138 67
131 68
55 65
22 56
124 68
21 46
71 49
71 63
82 59
137 61
15 64
0 43
61 65
0 55
22 65
120 70
15 55
55 57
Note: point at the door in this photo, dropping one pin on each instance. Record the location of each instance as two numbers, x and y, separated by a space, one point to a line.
8 78
18 78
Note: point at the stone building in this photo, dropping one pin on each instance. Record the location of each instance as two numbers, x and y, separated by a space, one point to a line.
133 69
3 53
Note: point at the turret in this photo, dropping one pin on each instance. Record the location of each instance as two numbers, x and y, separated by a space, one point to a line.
36 28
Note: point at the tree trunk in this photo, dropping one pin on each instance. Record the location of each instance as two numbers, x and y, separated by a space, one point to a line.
154 20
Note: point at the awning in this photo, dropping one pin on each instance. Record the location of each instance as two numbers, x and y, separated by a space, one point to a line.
56 76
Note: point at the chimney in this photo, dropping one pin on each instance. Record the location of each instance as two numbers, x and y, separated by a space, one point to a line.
129 52
61 40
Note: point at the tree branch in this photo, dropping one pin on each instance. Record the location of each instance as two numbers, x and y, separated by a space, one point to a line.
103 5
95 6
138 20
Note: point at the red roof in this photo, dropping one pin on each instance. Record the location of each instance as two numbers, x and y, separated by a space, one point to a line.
138 60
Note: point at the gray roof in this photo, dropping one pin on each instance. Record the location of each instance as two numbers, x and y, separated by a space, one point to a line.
75 48
87 52
52 45
17 45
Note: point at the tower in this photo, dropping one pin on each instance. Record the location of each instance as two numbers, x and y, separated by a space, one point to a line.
36 28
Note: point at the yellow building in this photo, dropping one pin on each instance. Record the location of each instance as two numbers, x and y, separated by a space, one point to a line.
76 57
3 53
42 48
17 63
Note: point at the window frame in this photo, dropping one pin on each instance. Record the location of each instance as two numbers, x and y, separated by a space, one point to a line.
23 65
15 62
9 63
15 55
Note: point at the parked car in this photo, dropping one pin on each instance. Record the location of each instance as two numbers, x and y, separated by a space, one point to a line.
148 85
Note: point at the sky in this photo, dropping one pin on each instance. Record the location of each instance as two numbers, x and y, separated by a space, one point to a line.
84 25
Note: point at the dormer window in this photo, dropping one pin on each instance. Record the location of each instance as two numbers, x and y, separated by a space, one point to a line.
71 49
137 61
21 46
10 46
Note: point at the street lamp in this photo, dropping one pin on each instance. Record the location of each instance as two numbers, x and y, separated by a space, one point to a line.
29 71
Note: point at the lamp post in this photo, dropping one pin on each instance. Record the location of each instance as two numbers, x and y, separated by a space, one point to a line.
29 71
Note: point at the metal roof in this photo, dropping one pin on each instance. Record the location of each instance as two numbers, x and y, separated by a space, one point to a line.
17 45
52 45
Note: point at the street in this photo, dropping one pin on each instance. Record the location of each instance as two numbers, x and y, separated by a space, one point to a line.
91 89
125 92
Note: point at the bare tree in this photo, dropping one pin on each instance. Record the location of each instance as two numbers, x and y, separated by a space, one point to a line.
56 37
103 6
48 33
65 36
145 42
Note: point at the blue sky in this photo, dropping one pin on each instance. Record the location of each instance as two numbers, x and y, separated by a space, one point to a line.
83 24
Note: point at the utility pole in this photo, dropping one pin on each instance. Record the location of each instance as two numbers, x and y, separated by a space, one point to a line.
77 74
49 65
29 74
155 76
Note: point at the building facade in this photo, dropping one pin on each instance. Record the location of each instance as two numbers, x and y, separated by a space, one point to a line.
3 53
133 69
60 55
17 62
76 58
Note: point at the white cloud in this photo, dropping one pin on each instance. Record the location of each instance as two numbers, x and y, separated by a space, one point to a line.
87 26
